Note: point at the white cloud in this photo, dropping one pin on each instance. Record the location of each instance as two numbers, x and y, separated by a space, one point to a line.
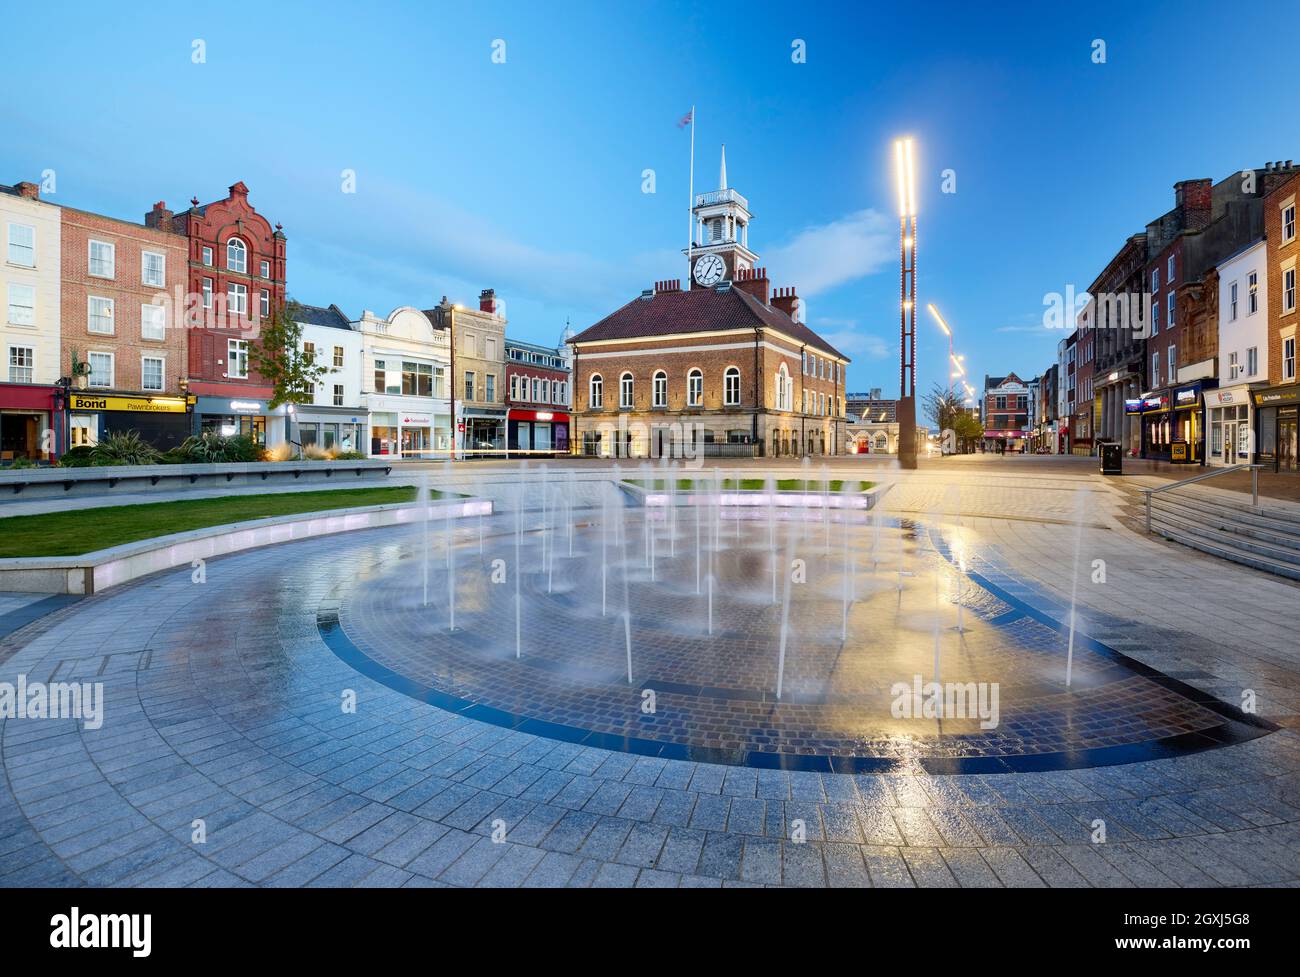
821 257
844 335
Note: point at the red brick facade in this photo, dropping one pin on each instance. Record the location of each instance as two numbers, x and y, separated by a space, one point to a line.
753 381
1282 254
217 270
123 299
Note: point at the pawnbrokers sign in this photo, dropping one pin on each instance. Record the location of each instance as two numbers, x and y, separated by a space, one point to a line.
150 405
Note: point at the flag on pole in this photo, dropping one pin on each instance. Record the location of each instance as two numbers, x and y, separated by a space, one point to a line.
687 119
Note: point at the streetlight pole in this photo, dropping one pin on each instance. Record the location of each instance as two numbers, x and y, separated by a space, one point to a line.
947 332
906 177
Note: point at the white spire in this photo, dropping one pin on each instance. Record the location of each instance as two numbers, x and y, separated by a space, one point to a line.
722 176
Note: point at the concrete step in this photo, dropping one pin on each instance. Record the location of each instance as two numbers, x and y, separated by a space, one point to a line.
1266 517
1227 546
1281 539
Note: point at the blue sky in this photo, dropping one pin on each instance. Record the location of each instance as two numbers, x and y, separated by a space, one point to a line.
527 176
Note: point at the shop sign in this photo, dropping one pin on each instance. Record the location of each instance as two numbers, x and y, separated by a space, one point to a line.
1178 451
246 406
1186 397
415 420
1156 402
1133 405
139 405
1278 395
1227 397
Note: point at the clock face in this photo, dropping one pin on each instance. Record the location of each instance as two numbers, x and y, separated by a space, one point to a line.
709 270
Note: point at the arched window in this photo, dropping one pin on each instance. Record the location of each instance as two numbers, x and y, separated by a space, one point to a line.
882 441
694 388
660 390
731 387
784 389
236 256
625 391
596 397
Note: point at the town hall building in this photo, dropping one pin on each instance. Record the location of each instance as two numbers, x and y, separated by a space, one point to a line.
724 367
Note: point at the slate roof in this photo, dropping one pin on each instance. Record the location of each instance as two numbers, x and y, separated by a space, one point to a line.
699 310
314 315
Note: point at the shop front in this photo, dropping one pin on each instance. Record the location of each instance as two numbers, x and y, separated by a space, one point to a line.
538 432
1173 424
1009 442
1230 416
483 432
409 427
29 415
1276 435
230 417
338 430
163 422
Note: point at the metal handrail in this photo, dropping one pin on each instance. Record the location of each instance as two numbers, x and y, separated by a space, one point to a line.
1254 484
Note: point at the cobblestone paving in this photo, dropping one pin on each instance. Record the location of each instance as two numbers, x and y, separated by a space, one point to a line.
715 694
223 704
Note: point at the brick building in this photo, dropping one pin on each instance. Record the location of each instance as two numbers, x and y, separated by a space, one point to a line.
537 398
32 417
1119 343
123 287
236 276
1066 392
723 367
1277 404
1083 421
689 371
1208 223
1006 414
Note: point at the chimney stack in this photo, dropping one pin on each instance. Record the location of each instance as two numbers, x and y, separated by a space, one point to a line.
160 217
668 285
487 301
755 282
1195 199
31 191
786 301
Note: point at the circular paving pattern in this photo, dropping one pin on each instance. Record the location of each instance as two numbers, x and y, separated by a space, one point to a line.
872 610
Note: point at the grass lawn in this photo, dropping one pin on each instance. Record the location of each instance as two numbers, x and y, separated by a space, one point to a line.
754 484
85 530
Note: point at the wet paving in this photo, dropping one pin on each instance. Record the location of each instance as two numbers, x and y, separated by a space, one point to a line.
252 733
872 611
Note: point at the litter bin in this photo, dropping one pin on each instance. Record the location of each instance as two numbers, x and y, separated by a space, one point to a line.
1112 458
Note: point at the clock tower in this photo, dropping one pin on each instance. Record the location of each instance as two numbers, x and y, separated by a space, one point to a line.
720 243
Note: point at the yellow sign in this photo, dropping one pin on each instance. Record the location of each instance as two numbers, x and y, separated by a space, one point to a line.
1178 452
142 405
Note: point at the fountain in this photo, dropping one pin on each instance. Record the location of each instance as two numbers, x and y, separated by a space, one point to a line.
710 662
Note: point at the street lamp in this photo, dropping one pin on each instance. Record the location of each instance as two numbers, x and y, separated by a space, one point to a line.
946 331
905 175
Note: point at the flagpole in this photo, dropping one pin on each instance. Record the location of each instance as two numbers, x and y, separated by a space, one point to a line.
690 208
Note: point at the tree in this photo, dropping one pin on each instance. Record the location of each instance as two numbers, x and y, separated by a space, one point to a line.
949 414
969 430
942 406
280 358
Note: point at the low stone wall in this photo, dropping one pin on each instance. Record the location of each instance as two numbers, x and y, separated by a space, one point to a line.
756 498
93 572
45 483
